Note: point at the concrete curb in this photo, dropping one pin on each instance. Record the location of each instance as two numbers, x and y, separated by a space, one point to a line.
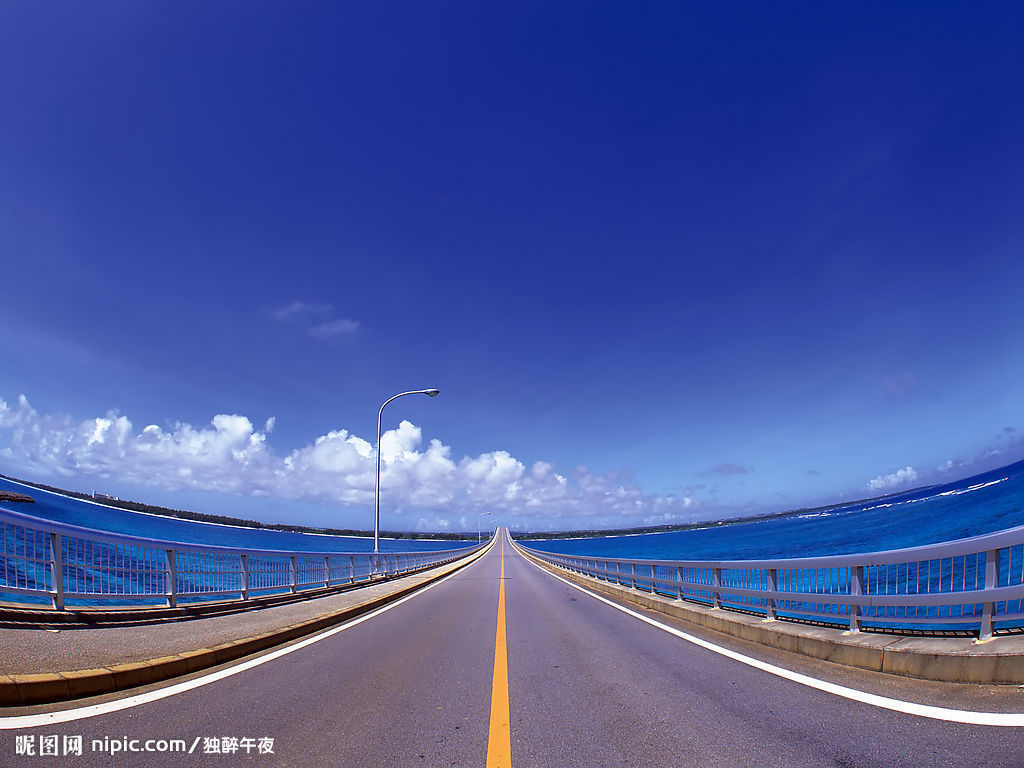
944 659
21 690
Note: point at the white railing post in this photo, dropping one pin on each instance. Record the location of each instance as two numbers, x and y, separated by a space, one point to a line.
352 569
243 571
292 571
769 603
632 575
327 570
716 587
679 582
171 577
57 570
991 582
856 590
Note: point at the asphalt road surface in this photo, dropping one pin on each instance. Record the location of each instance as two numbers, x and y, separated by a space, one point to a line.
479 670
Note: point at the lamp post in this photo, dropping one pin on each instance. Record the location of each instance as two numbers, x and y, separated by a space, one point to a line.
478 524
376 515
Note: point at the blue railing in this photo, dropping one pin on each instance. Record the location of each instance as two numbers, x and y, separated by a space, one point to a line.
56 562
974 584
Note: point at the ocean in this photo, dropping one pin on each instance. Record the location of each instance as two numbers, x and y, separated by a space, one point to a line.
66 509
992 501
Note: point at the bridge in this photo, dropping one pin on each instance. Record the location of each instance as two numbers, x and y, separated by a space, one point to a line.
499 659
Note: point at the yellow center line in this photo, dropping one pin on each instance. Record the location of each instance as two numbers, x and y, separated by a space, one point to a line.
499 739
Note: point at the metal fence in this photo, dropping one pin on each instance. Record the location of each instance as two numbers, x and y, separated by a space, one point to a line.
969 585
59 562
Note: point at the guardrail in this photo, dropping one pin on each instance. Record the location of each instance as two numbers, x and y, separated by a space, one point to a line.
59 562
970 585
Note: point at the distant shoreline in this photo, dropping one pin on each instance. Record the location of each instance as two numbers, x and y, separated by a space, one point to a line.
16 498
201 517
135 506
150 509
1010 469
608 533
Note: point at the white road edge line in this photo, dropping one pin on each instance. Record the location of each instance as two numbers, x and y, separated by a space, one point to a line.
80 713
969 717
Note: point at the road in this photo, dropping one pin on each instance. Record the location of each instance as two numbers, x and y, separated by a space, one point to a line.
425 683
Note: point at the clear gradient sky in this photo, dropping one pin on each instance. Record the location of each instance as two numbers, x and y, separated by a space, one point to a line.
664 261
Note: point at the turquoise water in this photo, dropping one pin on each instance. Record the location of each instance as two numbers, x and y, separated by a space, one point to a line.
983 503
65 509
991 501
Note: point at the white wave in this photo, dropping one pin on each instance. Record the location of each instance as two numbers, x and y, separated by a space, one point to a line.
879 506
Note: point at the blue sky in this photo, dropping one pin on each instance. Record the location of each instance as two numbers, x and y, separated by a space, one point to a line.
664 262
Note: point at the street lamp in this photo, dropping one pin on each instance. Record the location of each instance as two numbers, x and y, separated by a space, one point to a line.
376 516
478 524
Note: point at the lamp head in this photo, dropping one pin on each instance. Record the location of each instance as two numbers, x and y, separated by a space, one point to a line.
432 392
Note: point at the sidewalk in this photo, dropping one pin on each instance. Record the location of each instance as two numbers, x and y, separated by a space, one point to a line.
54 663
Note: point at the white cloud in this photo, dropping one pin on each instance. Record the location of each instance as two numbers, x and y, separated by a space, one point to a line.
319 320
10 417
435 523
334 328
230 455
898 478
